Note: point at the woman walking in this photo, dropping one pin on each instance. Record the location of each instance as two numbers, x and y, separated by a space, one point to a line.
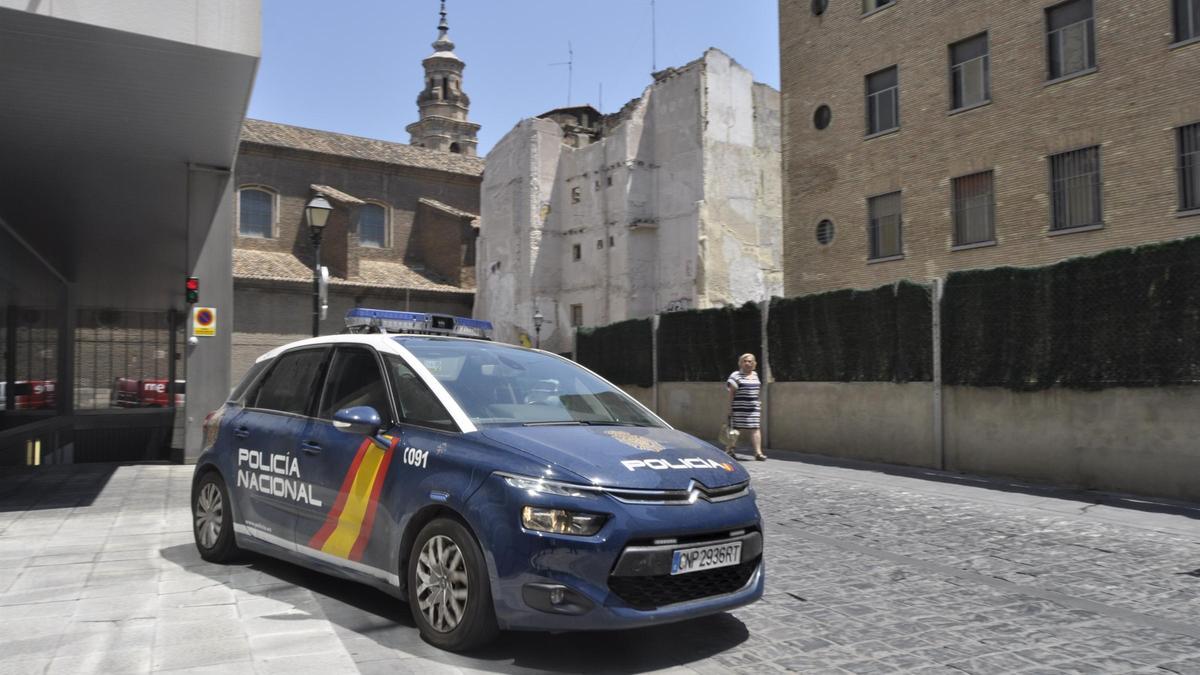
744 407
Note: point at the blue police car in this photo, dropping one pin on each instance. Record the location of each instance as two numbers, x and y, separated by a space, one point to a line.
490 486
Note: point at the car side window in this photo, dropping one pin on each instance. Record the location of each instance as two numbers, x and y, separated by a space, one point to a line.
417 403
354 380
289 386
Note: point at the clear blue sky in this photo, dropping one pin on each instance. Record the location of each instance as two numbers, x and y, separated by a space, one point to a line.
354 66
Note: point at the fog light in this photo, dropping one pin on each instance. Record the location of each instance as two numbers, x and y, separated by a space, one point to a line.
559 521
556 599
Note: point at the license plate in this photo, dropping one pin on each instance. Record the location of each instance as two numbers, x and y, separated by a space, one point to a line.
706 557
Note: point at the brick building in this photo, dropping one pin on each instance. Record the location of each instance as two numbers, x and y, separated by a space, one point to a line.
926 136
401 234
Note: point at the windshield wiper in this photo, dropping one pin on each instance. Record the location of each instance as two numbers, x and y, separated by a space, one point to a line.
570 423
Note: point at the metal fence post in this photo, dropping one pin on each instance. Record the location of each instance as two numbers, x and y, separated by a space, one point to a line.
939 440
765 375
654 362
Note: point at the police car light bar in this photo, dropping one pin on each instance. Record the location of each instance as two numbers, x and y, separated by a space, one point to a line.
363 320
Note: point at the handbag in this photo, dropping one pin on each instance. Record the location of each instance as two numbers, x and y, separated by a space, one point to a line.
728 435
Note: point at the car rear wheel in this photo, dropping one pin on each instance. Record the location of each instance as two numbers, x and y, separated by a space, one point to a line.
448 588
212 520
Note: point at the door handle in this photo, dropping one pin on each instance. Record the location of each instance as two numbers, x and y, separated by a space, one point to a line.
241 432
310 447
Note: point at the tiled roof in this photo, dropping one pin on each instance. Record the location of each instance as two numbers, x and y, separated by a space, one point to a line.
277 266
334 193
330 143
446 208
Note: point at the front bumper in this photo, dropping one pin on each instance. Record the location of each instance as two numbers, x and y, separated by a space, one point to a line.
619 578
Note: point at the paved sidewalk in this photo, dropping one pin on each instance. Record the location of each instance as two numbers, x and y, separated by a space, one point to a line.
868 572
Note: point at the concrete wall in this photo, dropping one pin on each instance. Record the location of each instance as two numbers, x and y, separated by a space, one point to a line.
644 395
228 25
1130 440
699 408
876 421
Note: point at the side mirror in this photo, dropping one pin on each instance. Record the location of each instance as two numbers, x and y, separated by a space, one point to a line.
359 420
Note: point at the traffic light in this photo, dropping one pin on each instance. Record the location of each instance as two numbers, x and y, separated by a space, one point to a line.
193 290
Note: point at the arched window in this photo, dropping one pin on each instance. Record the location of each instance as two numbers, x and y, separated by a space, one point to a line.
372 225
256 213
456 148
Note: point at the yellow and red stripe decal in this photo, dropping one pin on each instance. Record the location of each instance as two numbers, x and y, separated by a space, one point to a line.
347 528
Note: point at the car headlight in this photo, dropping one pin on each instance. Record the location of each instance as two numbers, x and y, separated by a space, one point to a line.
559 521
549 487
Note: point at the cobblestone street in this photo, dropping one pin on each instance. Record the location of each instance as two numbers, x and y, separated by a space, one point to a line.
869 572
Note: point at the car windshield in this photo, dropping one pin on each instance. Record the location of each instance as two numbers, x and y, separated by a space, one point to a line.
501 385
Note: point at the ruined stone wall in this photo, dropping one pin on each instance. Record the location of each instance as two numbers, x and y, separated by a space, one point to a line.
742 211
677 206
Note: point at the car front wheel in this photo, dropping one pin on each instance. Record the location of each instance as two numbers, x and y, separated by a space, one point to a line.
212 520
448 588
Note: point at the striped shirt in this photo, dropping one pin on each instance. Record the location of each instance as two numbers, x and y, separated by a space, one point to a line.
746 408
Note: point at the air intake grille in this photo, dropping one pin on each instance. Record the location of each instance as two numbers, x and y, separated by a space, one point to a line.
659 591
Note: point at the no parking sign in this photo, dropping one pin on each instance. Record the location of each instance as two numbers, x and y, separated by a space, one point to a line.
204 321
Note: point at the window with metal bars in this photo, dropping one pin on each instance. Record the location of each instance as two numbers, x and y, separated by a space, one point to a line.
123 359
1187 19
1189 167
970 74
883 100
1070 38
576 316
885 226
974 209
1075 186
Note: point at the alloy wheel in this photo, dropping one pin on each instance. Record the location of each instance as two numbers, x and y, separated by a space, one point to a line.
442 583
209 513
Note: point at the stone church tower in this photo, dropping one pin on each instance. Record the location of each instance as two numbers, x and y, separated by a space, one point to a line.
443 103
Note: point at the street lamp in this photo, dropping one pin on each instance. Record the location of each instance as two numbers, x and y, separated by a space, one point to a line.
316 213
538 319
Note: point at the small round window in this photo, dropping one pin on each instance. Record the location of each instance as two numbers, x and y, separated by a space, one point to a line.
824 232
819 6
822 117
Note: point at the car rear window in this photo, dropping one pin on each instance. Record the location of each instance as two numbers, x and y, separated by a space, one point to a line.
247 380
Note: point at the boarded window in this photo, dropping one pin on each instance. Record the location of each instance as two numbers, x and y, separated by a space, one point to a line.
1075 179
885 226
974 210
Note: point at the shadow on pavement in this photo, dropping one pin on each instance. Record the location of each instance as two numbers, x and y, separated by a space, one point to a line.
60 486
1091 497
386 621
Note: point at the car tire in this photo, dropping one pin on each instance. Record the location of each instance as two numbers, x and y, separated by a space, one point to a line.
446 555
212 520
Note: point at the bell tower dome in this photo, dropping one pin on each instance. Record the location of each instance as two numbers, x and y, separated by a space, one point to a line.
443 104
